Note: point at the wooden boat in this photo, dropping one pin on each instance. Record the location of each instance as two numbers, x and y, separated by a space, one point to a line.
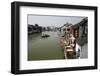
45 36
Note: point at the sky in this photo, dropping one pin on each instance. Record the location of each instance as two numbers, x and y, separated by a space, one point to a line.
50 20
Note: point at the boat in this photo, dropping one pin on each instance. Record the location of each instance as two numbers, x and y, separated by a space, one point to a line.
45 36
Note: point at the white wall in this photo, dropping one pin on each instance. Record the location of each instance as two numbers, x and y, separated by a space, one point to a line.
84 51
5 41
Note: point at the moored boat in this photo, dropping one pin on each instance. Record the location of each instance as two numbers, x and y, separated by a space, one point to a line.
45 36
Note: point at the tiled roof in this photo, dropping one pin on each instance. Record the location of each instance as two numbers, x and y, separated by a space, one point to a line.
80 23
81 41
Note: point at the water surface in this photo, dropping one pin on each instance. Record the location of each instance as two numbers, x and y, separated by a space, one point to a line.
44 48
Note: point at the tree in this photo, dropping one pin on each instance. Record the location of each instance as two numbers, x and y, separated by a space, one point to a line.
36 25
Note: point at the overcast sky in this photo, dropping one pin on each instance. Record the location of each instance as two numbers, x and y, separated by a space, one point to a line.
46 20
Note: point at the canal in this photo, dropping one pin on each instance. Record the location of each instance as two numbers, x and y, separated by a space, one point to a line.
44 48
